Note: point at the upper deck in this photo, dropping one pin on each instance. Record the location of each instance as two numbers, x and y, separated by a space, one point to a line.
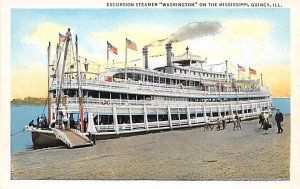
163 89
183 76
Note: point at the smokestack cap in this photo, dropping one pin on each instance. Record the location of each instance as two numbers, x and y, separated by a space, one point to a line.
145 49
169 46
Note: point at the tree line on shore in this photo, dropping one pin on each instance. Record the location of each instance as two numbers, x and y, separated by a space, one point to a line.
29 100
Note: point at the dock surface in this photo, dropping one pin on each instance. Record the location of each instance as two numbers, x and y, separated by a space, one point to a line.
192 154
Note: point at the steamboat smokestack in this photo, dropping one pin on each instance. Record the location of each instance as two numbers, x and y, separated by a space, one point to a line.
169 68
169 54
145 55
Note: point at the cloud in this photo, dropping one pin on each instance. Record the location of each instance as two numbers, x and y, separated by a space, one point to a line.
243 41
44 33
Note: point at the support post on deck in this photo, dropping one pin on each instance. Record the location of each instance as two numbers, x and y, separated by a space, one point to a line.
130 119
204 113
243 111
231 111
179 117
146 118
157 118
252 115
188 115
170 117
115 118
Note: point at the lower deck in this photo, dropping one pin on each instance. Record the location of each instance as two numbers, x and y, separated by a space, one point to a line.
116 119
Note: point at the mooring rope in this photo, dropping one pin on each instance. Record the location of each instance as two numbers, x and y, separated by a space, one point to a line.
18 132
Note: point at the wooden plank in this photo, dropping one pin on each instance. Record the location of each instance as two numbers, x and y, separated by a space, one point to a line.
74 139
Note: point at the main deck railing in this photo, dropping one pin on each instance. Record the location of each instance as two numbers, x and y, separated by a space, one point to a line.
161 125
102 101
155 88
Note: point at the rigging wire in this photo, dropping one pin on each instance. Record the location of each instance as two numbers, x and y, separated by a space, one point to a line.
18 132
55 71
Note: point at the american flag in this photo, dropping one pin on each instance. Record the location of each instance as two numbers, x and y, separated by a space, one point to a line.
251 71
241 68
130 44
112 48
62 38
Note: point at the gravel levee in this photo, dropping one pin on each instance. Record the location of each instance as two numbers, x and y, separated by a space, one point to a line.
190 154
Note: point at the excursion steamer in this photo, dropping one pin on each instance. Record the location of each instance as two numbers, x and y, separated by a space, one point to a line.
132 100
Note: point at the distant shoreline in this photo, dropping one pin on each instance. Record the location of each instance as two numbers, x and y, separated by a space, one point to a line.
28 100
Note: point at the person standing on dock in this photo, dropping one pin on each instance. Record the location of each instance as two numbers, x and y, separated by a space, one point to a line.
208 125
219 122
261 120
266 126
279 120
223 122
31 123
236 122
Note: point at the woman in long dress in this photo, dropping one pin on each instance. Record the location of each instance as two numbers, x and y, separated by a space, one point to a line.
266 126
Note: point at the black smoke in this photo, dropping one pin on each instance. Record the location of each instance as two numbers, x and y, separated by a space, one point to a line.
190 31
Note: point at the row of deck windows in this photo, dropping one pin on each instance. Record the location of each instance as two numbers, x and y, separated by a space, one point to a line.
200 74
125 119
123 96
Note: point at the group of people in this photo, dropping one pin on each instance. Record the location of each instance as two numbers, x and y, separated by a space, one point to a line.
221 123
40 122
265 124
263 120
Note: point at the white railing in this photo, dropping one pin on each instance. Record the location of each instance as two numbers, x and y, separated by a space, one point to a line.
154 87
101 102
158 90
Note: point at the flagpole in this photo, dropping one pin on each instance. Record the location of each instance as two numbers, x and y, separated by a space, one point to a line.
126 60
261 80
49 102
238 72
227 77
107 54
249 73
68 38
79 86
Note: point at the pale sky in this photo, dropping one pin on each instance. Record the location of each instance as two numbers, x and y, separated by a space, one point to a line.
256 38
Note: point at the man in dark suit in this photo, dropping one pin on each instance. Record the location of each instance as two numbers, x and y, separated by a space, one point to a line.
279 120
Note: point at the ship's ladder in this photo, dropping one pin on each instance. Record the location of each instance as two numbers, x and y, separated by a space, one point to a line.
72 137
